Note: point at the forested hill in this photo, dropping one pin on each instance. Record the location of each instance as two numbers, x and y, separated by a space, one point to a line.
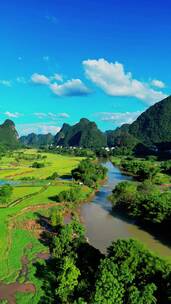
83 134
150 128
154 125
37 140
8 134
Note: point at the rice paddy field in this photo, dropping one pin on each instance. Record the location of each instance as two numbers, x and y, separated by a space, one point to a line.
17 165
20 231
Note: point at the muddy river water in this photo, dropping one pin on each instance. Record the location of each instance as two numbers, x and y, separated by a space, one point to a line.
104 226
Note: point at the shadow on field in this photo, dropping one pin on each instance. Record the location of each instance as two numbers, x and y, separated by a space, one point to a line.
47 230
66 177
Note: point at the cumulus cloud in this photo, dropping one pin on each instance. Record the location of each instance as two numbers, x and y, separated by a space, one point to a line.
6 83
73 87
158 83
114 81
38 128
40 79
12 115
57 77
119 118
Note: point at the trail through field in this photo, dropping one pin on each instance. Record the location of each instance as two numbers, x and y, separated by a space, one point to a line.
19 174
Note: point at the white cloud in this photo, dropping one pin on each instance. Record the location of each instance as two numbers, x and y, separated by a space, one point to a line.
158 83
40 115
13 115
114 81
73 87
40 79
51 115
6 83
21 79
63 115
38 128
57 77
119 118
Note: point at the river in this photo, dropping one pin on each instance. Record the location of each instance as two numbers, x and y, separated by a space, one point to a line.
104 226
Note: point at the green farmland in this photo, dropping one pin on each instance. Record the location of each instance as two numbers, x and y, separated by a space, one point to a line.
32 195
18 164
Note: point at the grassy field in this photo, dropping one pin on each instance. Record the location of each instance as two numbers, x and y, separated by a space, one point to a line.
20 192
18 165
18 224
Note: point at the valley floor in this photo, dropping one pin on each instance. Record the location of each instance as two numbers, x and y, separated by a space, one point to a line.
31 199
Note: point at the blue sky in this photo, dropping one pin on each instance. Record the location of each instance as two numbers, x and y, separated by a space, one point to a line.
66 59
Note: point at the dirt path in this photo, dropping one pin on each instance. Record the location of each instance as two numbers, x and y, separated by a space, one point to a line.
19 174
8 291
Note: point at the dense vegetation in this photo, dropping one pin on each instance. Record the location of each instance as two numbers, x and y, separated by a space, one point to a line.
153 126
121 137
166 167
143 169
149 134
73 196
77 273
144 201
8 135
89 173
5 194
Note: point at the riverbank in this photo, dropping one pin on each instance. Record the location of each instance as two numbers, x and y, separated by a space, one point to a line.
104 226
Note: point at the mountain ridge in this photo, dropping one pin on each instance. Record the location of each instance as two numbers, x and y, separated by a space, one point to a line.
151 128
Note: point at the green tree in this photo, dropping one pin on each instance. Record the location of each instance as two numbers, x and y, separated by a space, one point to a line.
146 296
67 279
108 289
56 217
5 193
